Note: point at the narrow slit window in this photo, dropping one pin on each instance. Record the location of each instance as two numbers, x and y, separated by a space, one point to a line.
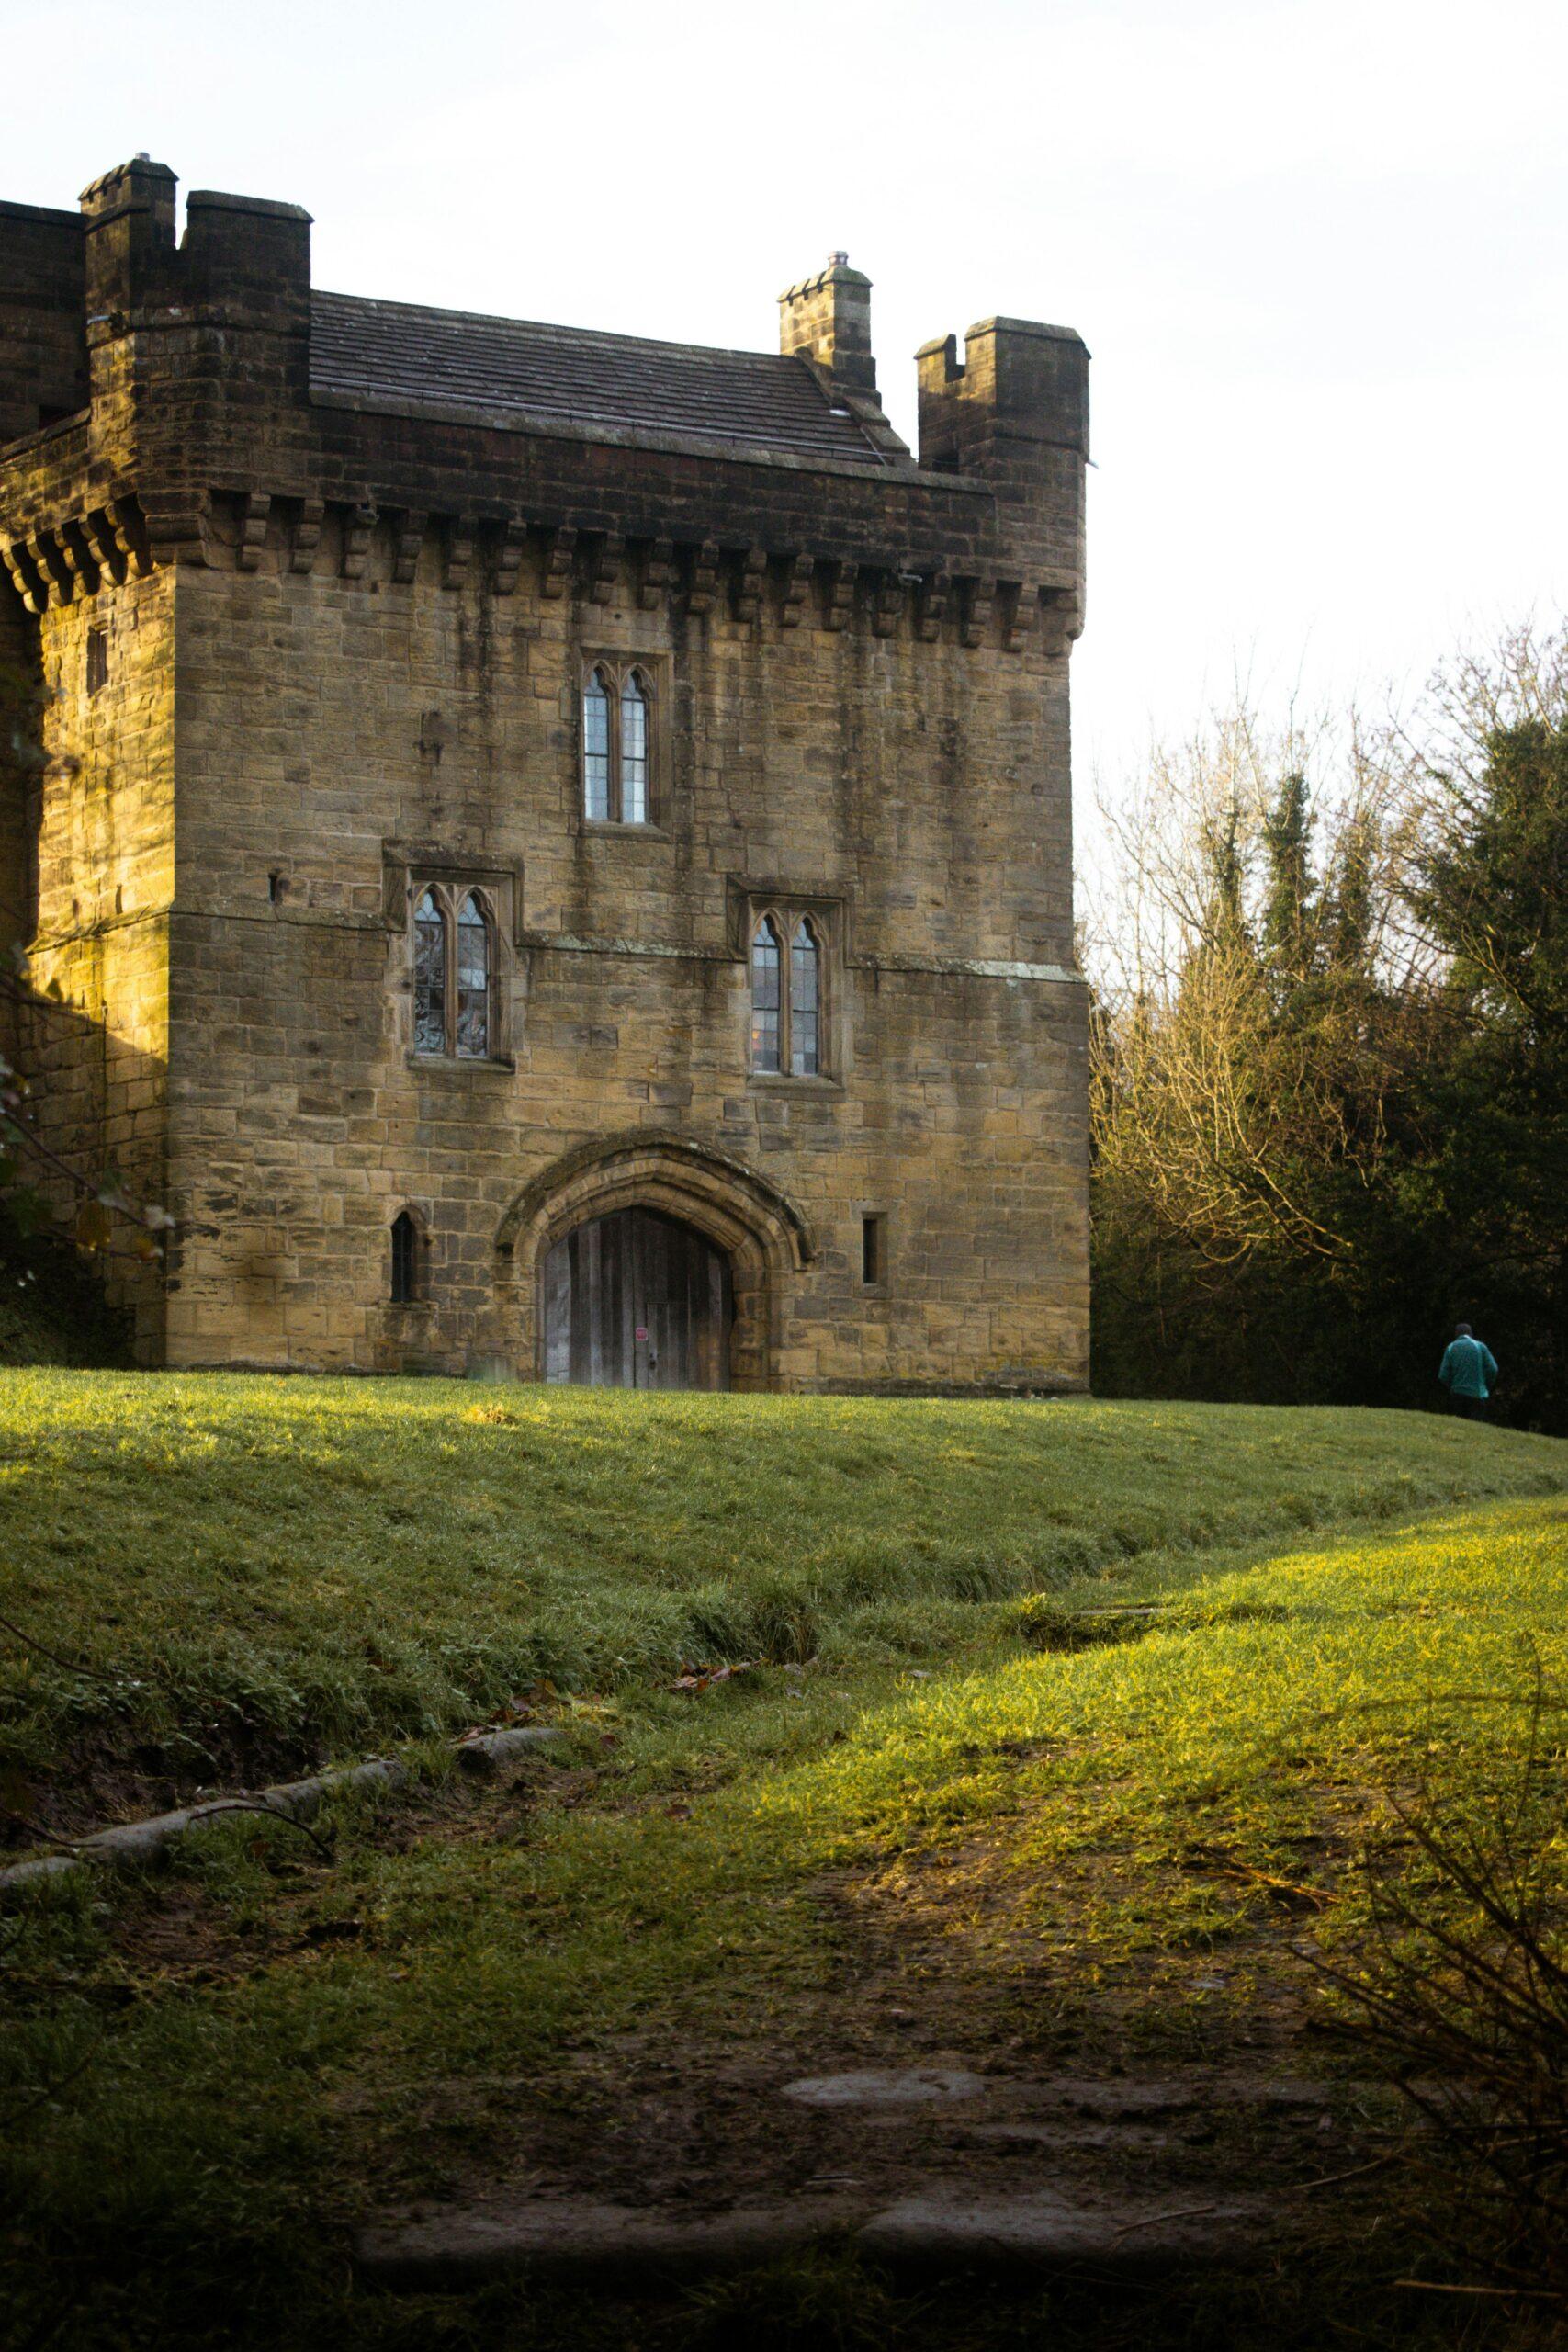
473 980
405 1259
429 976
805 1003
873 1249
97 659
634 751
767 959
596 750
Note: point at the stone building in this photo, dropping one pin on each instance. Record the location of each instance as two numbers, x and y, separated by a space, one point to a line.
551 850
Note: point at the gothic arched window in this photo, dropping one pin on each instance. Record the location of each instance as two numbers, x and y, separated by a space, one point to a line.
405 1259
633 750
471 1011
790 991
430 929
454 974
617 745
767 996
596 748
805 1002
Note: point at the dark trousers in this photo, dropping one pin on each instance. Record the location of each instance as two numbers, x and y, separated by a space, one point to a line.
1472 1408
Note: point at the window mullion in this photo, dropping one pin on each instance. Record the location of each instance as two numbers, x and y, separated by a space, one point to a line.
782 920
617 806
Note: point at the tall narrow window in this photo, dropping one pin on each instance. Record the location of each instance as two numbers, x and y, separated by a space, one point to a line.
767 958
473 980
805 1003
429 976
874 1249
97 659
405 1259
596 748
634 751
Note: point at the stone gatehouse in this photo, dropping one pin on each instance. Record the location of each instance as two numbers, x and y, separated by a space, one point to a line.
551 850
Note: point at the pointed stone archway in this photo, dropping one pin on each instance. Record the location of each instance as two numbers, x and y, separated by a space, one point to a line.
764 1237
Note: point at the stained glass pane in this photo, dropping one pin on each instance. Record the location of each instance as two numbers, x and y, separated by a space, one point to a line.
766 962
429 977
805 1003
595 748
473 980
633 753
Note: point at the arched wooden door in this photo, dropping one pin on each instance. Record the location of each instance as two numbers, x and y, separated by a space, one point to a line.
637 1300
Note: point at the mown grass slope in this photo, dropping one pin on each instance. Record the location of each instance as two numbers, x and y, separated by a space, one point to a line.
215 1573
243 2056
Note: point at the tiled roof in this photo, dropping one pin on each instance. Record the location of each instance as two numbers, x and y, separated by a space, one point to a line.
565 377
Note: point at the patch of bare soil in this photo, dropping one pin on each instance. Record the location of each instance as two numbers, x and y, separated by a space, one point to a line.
951 2055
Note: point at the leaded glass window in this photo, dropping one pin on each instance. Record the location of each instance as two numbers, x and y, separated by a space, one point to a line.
805 1003
766 996
596 748
473 980
429 976
634 751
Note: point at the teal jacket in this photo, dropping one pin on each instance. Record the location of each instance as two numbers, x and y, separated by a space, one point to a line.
1468 1368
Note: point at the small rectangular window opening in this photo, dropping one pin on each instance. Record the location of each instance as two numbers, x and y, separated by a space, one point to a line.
873 1249
97 659
405 1260
275 886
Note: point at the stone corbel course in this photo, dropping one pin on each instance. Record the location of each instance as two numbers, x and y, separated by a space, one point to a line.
751 587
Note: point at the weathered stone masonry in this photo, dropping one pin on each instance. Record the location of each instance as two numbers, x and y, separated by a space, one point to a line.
312 587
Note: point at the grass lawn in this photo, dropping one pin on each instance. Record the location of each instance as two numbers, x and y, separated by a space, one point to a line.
939 1813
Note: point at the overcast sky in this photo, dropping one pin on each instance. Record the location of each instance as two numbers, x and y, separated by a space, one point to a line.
1315 247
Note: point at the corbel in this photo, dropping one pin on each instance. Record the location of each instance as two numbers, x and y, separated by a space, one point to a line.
78 553
53 565
977 611
408 537
749 587
30 586
840 595
1025 604
560 550
110 547
657 573
705 578
177 522
358 523
1061 618
889 604
457 553
797 589
932 606
605 569
509 555
306 535
126 513
252 530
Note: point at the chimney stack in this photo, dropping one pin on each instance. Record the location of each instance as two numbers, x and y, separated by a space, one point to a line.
827 319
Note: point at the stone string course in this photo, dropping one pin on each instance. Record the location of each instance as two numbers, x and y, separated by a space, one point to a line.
297 649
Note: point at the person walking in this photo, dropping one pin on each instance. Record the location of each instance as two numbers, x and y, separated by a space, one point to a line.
1468 1371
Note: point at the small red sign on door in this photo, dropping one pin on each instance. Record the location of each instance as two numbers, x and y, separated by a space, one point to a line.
641 1330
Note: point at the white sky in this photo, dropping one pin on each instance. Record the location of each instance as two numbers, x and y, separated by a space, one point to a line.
1316 246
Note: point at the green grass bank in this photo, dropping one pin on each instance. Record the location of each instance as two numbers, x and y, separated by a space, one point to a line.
218 1576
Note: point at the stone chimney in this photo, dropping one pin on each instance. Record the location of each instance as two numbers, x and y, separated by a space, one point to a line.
827 319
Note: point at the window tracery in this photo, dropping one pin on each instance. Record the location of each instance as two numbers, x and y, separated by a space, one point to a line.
454 975
618 744
788 951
